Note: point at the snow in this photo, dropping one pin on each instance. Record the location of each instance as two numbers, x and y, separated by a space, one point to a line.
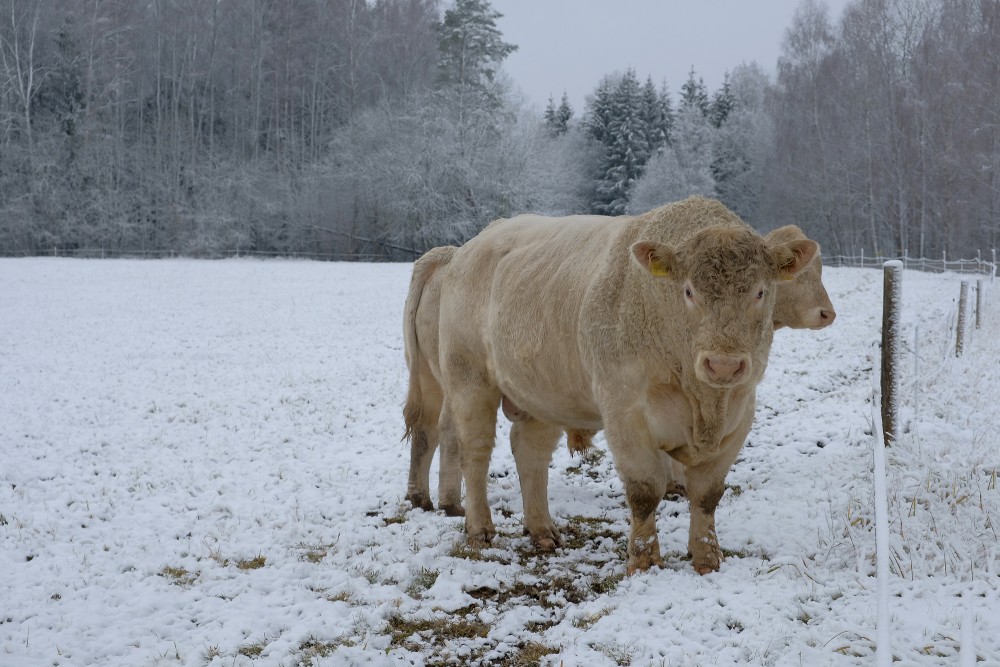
201 465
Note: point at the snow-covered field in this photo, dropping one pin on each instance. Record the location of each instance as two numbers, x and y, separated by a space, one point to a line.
200 464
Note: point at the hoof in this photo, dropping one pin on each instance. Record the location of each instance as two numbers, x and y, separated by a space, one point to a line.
419 500
643 562
674 491
481 538
453 510
706 557
547 539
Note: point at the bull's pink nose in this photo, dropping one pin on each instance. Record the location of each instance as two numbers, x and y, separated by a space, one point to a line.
827 315
720 368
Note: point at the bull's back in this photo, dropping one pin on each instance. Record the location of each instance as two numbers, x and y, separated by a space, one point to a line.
519 291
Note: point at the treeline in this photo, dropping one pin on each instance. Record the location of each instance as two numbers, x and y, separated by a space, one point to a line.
887 127
383 128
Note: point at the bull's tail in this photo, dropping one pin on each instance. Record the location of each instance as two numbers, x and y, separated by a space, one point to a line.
433 260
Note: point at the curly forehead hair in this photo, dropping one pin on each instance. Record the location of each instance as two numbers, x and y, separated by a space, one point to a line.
726 261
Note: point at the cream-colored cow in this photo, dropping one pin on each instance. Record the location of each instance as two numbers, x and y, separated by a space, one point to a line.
655 328
799 304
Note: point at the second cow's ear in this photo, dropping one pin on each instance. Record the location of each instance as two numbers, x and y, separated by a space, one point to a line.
792 257
657 258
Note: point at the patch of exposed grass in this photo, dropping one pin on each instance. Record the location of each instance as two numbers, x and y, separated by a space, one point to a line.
586 621
179 575
252 650
737 553
371 574
579 531
605 585
315 553
462 549
313 648
422 581
342 596
529 654
252 563
620 653
433 631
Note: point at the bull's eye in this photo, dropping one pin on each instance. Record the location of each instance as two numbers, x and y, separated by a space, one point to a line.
760 294
688 293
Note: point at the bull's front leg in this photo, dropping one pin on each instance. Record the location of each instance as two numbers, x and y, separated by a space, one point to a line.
639 466
643 497
706 483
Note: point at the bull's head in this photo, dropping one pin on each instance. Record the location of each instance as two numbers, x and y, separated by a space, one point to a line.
802 303
726 278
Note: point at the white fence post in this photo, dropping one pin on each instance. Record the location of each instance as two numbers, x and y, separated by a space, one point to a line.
883 636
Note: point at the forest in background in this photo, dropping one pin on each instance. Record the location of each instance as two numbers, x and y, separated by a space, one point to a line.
380 129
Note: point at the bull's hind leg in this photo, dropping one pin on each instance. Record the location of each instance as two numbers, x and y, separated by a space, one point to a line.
422 445
422 422
474 417
532 443
450 469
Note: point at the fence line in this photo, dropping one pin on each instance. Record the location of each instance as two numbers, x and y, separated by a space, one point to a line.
976 266
968 266
107 253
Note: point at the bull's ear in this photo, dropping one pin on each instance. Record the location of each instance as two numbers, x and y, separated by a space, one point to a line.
792 257
784 234
657 258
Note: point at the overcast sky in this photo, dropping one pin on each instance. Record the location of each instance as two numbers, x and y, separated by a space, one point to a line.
568 45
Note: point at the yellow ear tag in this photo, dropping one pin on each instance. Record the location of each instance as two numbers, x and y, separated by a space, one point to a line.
657 269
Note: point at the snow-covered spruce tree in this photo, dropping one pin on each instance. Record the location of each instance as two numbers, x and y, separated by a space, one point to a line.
683 168
550 114
695 94
557 119
618 123
472 98
563 114
471 51
742 141
657 114
723 103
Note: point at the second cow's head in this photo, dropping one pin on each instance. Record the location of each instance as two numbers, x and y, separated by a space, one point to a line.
725 277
